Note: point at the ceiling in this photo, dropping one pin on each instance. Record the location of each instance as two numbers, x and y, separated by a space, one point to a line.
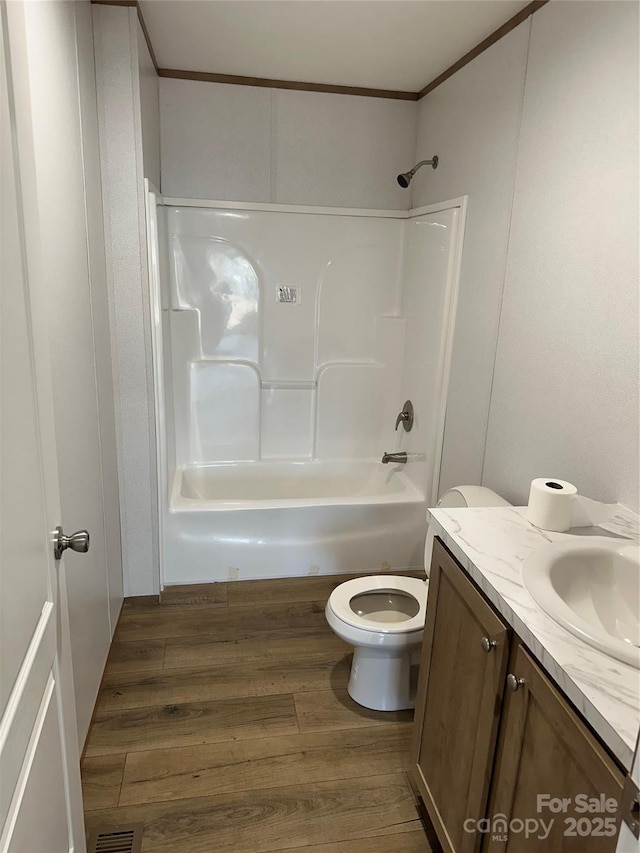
380 44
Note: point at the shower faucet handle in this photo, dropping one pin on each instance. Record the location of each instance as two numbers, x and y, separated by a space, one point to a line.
406 416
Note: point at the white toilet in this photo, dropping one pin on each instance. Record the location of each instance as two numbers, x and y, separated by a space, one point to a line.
382 616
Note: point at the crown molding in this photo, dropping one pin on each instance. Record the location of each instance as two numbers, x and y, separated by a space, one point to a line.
360 91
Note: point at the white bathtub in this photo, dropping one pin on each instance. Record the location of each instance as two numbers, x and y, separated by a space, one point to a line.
239 521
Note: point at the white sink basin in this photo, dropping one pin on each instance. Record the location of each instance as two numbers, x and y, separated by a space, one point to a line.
591 587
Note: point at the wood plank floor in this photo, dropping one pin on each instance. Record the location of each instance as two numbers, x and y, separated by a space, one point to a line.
224 724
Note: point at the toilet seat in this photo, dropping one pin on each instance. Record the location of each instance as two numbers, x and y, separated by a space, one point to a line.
386 654
340 602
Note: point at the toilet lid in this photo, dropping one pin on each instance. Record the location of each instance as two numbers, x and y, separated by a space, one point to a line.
340 602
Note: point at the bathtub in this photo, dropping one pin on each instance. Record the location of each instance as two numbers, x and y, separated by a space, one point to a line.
249 520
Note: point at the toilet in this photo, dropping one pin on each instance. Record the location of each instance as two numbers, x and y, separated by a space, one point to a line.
383 616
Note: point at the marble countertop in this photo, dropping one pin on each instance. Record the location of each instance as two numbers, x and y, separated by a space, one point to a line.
491 544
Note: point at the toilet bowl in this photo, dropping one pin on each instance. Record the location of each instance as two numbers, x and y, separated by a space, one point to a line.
382 617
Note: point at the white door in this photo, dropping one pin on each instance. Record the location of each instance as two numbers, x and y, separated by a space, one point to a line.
40 796
53 43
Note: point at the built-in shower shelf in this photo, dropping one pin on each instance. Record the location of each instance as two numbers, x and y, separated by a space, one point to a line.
288 385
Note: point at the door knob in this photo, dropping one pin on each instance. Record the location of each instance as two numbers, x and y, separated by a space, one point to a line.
78 541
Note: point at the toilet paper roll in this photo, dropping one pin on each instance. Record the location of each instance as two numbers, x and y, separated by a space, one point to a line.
550 504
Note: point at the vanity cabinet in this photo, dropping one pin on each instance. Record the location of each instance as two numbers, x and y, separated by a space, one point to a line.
550 767
492 734
462 681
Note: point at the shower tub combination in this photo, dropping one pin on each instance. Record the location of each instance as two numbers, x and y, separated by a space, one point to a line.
296 518
273 418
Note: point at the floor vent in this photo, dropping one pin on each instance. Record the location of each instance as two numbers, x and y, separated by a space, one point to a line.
116 839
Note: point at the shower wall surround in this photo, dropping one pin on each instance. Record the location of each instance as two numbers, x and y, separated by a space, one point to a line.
287 343
258 378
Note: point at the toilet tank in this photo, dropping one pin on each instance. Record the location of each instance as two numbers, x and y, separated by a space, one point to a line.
461 496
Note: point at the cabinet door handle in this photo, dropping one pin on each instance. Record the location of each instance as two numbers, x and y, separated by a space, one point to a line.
514 683
488 644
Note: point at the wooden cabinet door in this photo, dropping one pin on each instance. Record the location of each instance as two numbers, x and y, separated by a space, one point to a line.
545 750
459 699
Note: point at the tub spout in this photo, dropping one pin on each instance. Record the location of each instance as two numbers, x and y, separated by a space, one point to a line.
394 457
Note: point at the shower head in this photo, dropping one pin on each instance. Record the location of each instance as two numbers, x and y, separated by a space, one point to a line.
405 178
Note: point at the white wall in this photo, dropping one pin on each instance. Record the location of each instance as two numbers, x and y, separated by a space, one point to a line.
149 111
119 112
253 144
563 400
471 122
243 143
565 392
99 304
